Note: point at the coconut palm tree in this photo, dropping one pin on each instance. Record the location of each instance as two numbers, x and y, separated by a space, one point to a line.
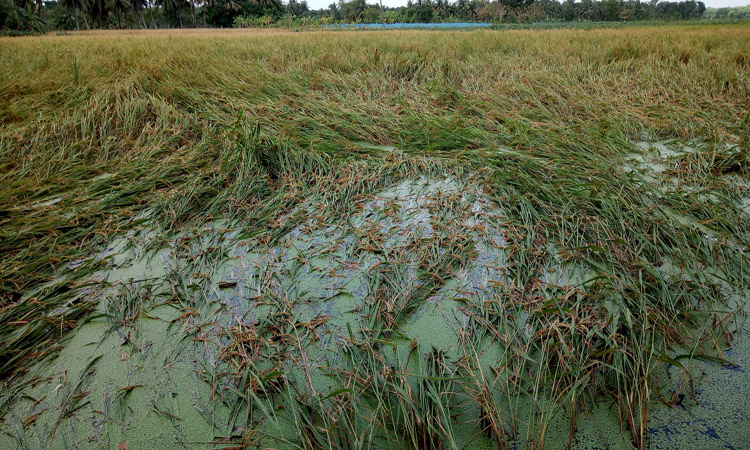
138 7
269 4
172 6
99 9
120 7
151 4
76 7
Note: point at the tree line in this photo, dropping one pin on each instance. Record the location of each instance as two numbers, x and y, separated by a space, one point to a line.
27 16
736 13
422 11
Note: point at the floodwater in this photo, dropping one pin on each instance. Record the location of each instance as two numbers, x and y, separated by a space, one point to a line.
154 380
717 415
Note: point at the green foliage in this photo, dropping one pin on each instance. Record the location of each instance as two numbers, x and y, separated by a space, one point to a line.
511 11
7 12
735 13
78 14
27 17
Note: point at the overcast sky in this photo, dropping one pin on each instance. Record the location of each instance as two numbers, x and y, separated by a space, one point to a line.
317 4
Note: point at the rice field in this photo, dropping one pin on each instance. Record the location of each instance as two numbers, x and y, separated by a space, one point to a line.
356 239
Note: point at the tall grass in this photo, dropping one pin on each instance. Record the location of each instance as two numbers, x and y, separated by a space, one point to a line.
98 128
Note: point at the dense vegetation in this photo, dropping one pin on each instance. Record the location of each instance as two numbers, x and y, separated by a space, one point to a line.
490 11
263 129
740 12
36 16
